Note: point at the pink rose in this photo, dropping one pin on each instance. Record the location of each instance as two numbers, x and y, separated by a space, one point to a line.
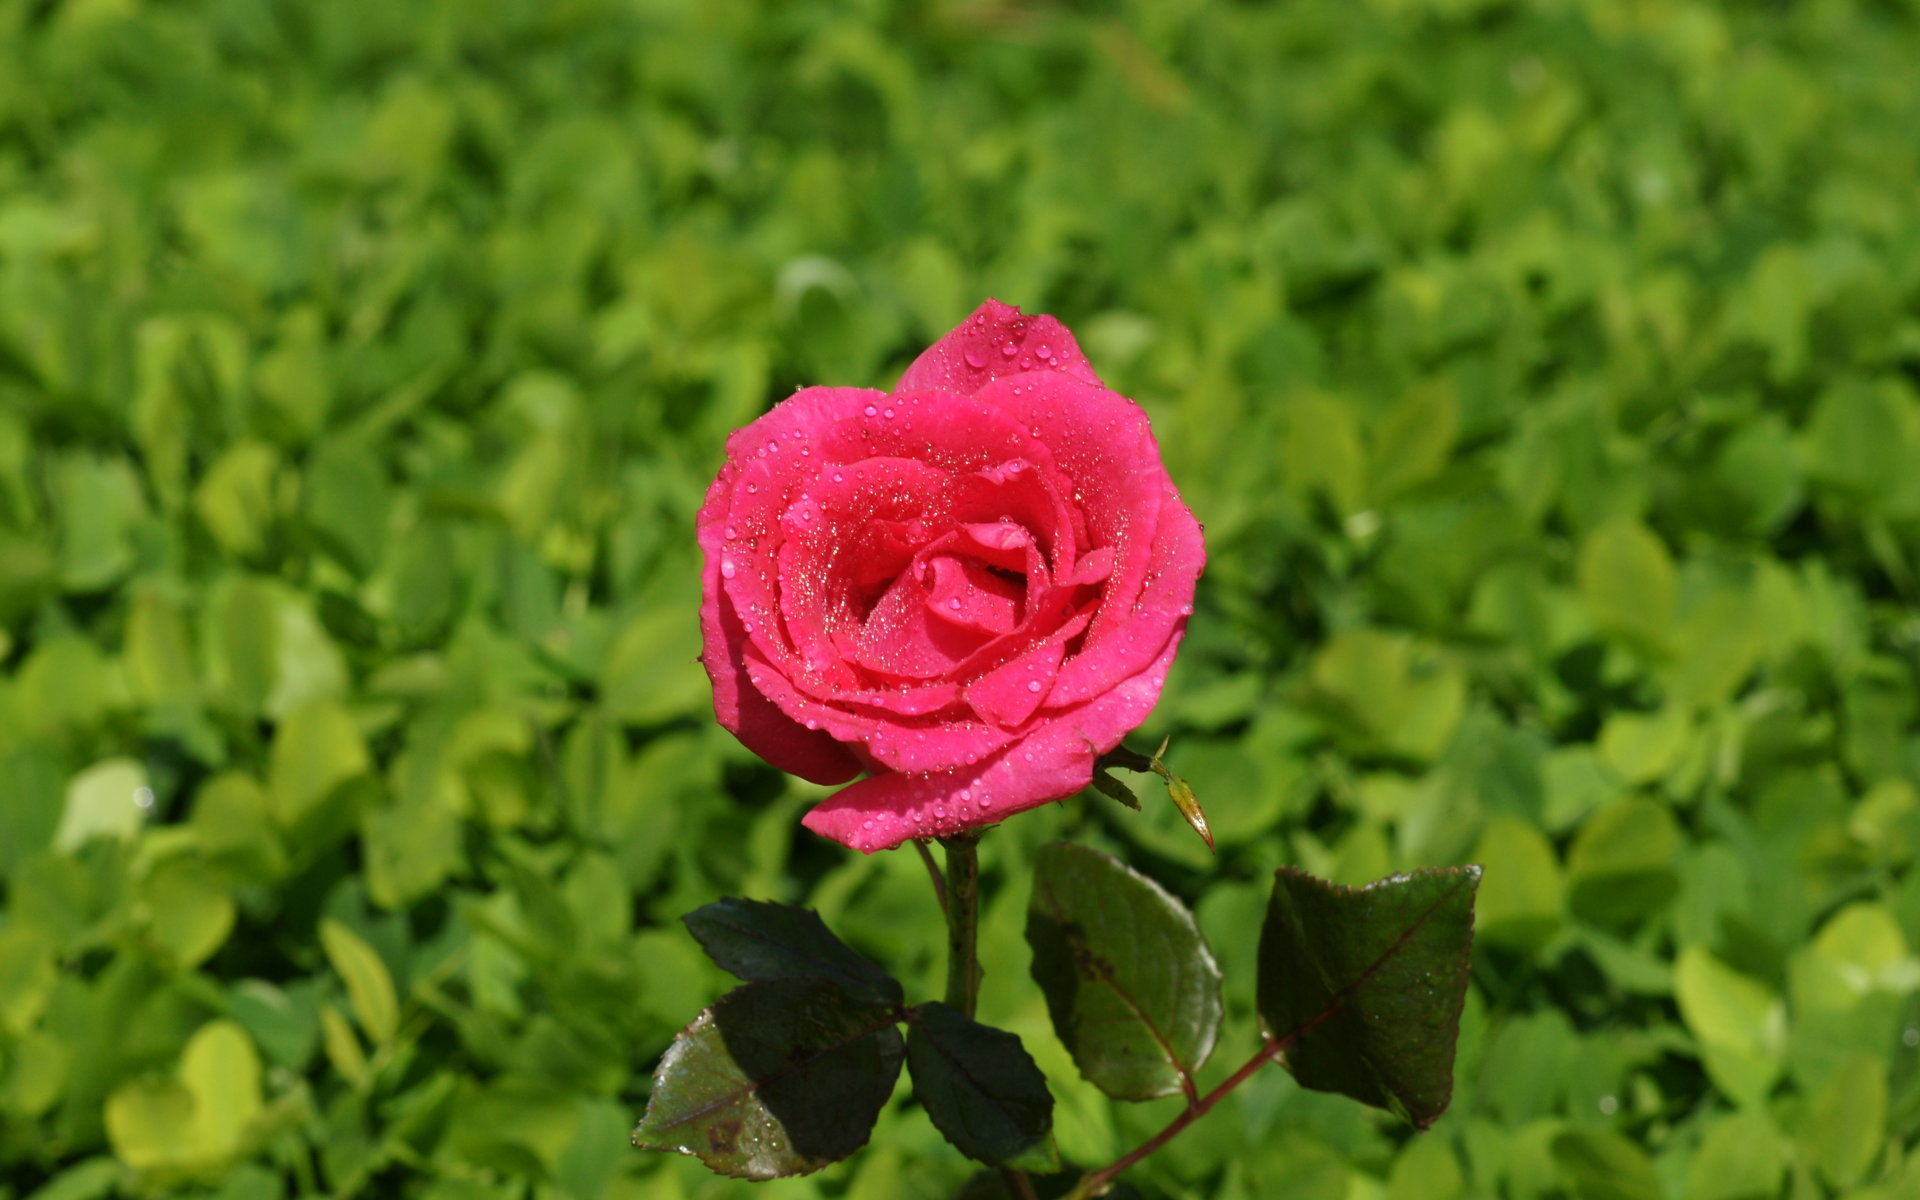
969 588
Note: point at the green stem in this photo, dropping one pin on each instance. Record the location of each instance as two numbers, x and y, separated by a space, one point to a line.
960 899
963 921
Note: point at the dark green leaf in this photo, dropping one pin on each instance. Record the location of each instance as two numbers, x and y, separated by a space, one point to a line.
778 1078
1132 986
1113 789
759 940
1366 984
1601 1165
981 1089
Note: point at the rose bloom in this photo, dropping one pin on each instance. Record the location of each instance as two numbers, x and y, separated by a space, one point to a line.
967 589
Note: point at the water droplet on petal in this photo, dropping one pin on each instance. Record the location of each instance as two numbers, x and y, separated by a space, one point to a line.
726 567
1033 685
975 359
752 488
1043 350
1009 350
871 410
954 603
888 414
773 447
839 478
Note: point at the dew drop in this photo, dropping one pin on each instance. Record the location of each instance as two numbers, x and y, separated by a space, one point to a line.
752 488
773 447
732 533
954 603
1027 361
1009 350
1033 685
871 410
975 359
888 414
806 451
1043 350
726 568
839 478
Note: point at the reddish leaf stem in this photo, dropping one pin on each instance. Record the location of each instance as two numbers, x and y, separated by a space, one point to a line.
1096 1183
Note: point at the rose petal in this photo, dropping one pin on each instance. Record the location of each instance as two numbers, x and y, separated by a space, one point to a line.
1010 693
737 704
1025 495
1124 638
904 639
838 546
967 594
938 743
1104 443
996 341
884 810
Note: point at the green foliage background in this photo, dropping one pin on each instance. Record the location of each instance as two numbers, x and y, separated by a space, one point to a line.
1545 374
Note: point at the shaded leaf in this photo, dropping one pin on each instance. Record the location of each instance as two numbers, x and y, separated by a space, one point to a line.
1366 984
1113 789
759 940
1601 1165
981 1089
778 1078
1130 981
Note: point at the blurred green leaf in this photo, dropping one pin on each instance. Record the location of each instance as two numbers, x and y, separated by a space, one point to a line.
1847 1122
1601 1165
1627 581
369 984
1740 1023
1741 1157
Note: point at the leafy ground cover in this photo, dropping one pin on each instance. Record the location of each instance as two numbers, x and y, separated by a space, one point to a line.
1547 376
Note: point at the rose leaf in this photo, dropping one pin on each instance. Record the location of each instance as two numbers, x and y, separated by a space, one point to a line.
778 1078
981 1089
759 940
1130 981
1365 985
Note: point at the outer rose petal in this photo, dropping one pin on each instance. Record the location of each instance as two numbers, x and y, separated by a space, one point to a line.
1054 762
737 704
996 341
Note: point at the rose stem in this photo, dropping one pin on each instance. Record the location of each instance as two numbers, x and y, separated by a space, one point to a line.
960 900
963 920
1095 1183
